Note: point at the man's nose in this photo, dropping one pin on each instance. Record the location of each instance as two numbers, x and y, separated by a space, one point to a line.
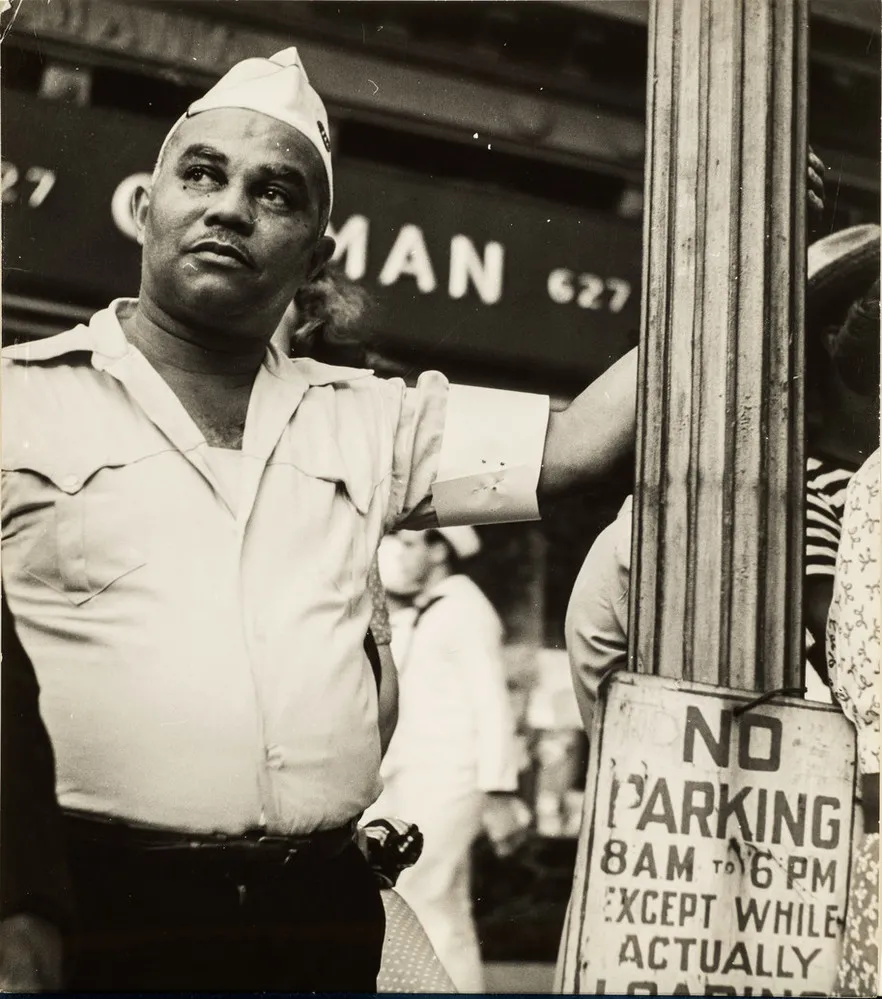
231 208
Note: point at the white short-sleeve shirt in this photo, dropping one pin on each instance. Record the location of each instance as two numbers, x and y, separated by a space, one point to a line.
200 653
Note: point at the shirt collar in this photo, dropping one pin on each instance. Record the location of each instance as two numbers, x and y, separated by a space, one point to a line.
104 339
442 588
315 372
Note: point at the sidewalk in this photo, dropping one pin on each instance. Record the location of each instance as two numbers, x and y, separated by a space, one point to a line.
518 978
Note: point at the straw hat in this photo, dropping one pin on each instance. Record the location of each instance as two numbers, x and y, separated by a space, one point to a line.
841 267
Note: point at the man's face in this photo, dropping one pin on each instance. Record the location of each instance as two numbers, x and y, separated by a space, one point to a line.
230 229
405 561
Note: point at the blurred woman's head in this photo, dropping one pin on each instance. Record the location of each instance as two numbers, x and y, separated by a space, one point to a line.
842 345
854 347
326 320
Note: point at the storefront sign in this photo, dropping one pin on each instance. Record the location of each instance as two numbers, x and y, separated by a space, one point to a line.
457 270
715 850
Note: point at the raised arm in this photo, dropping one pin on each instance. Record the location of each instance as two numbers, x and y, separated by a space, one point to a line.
586 439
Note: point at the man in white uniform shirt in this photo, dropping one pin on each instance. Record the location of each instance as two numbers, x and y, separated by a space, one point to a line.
188 522
453 760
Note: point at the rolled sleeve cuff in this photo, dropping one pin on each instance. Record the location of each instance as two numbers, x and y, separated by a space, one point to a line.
491 456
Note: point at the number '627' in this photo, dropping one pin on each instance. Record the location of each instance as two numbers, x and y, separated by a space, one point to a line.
40 181
588 291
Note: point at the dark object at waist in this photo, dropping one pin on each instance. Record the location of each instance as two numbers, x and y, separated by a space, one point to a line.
392 847
870 802
255 846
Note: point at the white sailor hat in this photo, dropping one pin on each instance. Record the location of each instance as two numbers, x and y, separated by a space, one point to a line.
277 87
463 540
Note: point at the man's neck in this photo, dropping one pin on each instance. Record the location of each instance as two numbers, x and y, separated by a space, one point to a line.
437 575
170 344
212 384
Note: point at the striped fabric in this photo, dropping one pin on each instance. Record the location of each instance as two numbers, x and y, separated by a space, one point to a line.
825 500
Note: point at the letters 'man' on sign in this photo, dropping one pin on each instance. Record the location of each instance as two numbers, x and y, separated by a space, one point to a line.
458 270
714 857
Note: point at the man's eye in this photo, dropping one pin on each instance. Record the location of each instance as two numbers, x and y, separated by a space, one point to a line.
276 196
198 174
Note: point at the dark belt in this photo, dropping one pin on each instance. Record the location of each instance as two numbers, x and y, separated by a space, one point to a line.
254 845
870 802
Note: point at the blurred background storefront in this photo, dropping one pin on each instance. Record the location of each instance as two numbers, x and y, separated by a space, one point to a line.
489 195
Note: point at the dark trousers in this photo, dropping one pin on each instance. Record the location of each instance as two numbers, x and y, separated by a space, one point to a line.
158 921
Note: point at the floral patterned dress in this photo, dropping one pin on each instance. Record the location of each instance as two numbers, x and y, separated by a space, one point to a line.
853 652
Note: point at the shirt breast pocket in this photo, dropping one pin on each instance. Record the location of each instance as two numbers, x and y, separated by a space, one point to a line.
336 522
83 520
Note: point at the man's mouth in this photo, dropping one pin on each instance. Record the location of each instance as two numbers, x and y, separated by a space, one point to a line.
222 253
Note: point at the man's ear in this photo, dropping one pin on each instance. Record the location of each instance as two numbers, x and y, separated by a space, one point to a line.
140 205
324 250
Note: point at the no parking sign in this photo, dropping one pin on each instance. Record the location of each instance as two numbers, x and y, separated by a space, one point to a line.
715 850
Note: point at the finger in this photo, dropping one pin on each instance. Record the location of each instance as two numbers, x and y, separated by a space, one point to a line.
815 198
816 162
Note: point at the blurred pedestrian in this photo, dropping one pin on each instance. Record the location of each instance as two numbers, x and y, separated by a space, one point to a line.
842 369
452 765
854 650
842 405
189 518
